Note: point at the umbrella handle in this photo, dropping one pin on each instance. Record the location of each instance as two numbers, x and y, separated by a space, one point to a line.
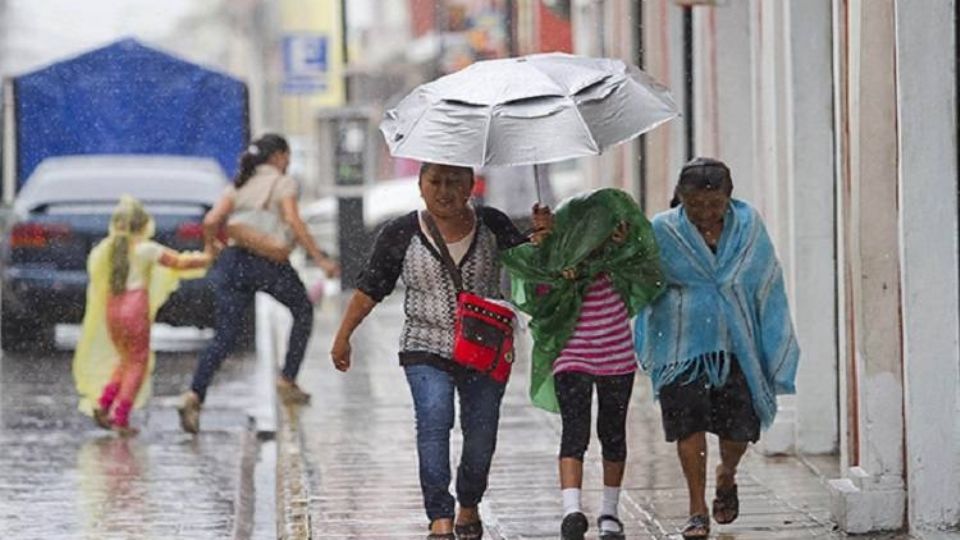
536 180
538 208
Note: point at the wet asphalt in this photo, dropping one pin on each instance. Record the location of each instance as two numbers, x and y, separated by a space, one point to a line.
62 477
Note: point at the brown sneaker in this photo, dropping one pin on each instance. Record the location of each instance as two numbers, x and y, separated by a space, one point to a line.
102 418
189 410
291 394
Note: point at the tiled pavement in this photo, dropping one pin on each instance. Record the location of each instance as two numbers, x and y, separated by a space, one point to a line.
355 455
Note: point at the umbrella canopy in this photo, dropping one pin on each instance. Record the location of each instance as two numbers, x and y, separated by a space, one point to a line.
520 111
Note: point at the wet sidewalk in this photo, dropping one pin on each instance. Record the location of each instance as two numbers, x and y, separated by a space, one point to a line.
349 467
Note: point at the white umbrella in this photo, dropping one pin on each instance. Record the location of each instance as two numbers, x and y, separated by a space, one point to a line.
521 111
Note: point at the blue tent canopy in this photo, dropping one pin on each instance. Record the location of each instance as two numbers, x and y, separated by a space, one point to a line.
126 98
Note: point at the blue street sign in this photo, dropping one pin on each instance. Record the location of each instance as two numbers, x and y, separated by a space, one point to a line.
305 63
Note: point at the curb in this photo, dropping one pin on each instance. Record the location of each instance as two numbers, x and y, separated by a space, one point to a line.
261 429
292 488
245 498
293 493
268 346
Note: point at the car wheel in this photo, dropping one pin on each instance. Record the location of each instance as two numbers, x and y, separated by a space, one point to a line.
25 333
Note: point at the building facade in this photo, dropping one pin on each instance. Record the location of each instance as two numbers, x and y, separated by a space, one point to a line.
838 119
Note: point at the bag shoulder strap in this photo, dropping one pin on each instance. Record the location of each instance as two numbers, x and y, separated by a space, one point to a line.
437 237
266 203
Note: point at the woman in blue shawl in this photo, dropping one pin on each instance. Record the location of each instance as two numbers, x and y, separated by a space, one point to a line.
719 344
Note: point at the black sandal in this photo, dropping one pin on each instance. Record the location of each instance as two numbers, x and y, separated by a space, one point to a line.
610 535
469 531
574 526
699 522
727 503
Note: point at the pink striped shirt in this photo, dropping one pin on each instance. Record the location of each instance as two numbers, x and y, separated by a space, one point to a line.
602 343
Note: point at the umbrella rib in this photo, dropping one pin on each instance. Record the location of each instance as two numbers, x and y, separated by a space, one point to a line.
412 126
583 123
486 136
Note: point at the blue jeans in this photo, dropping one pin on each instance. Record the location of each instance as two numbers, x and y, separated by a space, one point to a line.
480 397
236 277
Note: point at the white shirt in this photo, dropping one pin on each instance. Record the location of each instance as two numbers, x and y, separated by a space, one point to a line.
458 250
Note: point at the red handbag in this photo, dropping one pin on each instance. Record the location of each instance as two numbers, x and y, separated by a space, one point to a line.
483 336
483 330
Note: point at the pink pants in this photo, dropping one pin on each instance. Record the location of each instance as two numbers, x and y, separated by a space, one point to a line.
128 322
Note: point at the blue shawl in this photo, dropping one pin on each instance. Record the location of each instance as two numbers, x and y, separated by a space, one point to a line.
733 301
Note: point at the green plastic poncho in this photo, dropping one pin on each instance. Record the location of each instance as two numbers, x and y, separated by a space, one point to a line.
579 241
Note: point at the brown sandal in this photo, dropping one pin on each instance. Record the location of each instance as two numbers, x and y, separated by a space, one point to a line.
469 531
727 505
698 527
102 418
440 536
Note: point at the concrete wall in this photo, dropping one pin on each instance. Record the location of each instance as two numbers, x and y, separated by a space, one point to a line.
725 96
665 146
926 85
898 209
839 121
871 495
607 28
763 104
871 230
811 184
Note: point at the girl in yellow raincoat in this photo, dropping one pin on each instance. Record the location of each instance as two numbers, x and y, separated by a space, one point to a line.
131 276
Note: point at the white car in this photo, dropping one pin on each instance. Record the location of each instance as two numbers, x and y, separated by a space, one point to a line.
64 209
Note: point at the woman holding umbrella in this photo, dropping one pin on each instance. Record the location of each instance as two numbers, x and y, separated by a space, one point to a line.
405 250
719 345
525 111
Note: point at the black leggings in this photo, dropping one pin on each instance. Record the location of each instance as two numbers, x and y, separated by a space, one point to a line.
575 395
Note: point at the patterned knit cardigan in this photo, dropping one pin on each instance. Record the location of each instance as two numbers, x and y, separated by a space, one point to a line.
402 251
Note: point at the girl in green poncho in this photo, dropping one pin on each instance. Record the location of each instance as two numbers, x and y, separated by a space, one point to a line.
581 285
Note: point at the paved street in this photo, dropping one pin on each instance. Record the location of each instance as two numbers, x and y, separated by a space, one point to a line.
358 455
61 477
346 466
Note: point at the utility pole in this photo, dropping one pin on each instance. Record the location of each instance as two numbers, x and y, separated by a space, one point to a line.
344 48
351 168
7 139
640 145
510 21
688 85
